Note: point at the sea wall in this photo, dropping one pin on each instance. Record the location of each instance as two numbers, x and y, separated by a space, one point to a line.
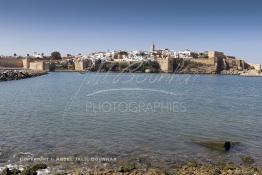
11 62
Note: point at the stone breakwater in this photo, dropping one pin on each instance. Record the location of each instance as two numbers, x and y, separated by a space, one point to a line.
19 74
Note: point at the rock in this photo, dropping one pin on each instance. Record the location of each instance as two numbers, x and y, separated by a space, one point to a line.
230 166
252 73
192 163
39 166
77 172
216 145
229 172
6 171
127 168
151 172
189 168
247 160
135 172
33 170
217 171
28 171
17 75
238 172
43 172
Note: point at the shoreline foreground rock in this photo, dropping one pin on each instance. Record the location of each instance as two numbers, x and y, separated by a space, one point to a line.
251 73
191 167
19 74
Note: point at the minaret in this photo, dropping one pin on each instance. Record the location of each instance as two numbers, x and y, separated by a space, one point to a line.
153 48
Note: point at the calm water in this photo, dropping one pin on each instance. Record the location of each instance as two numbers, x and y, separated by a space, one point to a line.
130 115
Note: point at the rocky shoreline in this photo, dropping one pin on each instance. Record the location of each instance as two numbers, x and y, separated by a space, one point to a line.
8 75
189 168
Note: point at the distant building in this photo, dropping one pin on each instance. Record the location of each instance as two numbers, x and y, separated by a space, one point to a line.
183 54
37 55
256 66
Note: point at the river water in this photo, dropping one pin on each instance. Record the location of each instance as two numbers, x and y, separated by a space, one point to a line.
151 116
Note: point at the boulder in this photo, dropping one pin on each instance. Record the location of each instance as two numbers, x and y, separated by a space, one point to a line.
216 145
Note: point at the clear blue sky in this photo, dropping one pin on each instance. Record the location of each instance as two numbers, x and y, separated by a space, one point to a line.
82 26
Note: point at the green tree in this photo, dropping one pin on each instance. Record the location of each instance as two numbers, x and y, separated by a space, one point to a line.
56 55
123 65
194 55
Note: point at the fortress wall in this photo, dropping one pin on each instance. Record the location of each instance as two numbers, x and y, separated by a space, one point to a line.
39 66
235 64
11 62
215 54
166 64
81 65
208 61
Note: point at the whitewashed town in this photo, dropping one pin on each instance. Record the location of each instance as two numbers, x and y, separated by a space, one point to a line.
152 61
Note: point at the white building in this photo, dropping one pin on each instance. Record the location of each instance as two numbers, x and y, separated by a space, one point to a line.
183 54
37 55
